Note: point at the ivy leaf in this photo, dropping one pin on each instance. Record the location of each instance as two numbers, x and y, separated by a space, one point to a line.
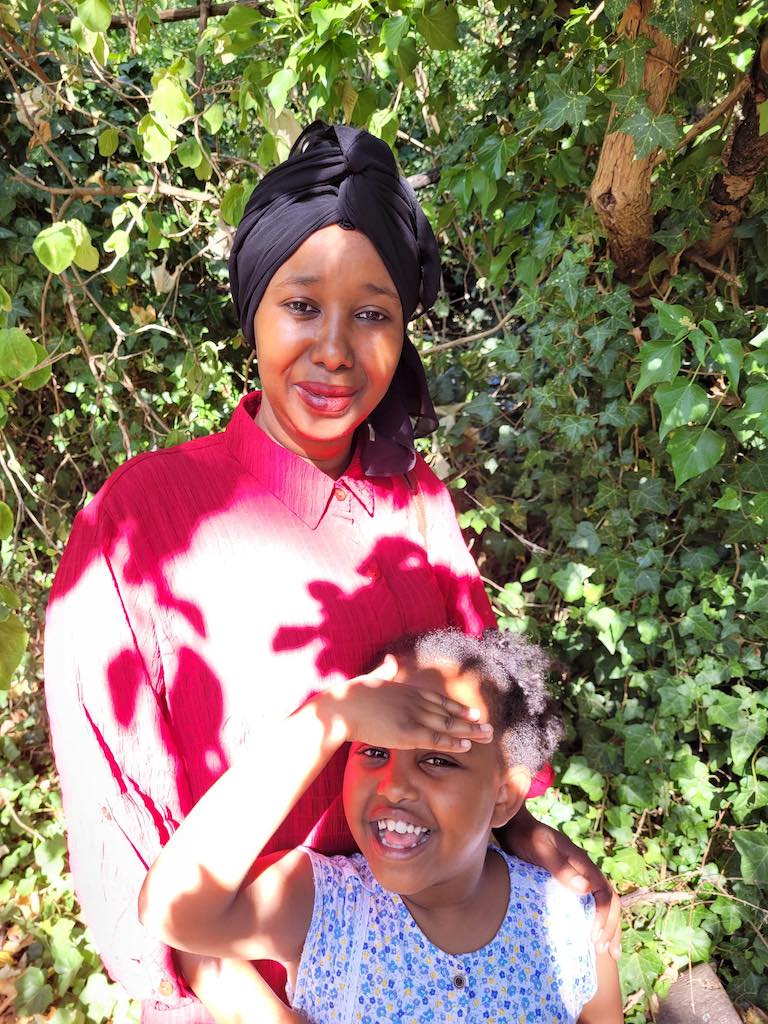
633 53
762 111
750 730
570 580
753 415
728 353
108 142
100 997
55 247
659 362
683 938
578 773
682 402
33 994
674 18
753 848
438 24
17 353
639 969
96 15
693 451
563 107
651 131
609 625
171 100
280 85
673 319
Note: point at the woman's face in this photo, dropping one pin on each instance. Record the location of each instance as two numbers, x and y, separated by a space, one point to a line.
329 332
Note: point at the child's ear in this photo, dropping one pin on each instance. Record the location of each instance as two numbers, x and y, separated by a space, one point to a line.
511 794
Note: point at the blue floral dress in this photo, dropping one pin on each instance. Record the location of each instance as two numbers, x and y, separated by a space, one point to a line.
365 960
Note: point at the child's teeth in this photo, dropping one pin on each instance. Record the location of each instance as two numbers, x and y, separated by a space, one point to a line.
401 827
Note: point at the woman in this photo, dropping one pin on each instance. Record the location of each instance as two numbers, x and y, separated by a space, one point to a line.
223 581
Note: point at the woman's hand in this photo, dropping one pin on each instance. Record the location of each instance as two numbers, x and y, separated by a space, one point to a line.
537 843
377 710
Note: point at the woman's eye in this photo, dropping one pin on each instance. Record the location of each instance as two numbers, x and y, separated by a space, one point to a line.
373 316
297 306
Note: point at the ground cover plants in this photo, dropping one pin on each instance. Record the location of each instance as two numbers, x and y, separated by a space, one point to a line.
599 355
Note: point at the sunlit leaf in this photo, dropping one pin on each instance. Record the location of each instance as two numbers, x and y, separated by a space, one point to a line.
438 24
13 643
682 402
694 450
659 362
108 141
96 15
55 247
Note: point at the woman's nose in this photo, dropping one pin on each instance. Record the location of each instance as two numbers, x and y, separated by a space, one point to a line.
396 781
333 345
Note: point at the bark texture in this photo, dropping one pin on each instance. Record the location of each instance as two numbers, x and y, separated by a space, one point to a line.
743 159
621 189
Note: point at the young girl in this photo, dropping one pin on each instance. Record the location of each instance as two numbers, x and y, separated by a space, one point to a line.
428 922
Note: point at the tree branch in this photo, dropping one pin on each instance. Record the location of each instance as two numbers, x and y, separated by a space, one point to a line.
443 346
621 188
181 13
98 191
745 156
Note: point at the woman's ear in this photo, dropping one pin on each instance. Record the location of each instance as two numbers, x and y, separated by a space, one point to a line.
511 794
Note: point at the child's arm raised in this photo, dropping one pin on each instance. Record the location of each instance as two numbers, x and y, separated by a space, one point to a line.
195 897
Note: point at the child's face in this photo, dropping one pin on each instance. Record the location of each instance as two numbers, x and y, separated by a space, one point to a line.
443 805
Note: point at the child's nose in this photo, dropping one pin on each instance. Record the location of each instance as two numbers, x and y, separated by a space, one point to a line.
396 781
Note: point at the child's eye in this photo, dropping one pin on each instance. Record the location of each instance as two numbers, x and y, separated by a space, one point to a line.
374 753
436 761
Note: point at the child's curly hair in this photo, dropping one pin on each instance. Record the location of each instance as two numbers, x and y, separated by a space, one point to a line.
513 673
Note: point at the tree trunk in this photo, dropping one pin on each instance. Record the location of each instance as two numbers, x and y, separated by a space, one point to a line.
621 189
743 159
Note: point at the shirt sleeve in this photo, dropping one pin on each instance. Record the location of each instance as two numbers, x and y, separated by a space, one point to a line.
457 574
104 692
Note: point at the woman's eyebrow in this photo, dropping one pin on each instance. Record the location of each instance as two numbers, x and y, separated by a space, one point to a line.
301 280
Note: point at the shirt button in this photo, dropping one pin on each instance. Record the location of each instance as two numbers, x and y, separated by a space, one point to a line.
339 494
105 814
459 981
165 988
373 572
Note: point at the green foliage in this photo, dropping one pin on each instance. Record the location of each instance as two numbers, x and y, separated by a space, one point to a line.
609 454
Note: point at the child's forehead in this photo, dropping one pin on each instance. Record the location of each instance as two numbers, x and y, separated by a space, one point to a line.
443 676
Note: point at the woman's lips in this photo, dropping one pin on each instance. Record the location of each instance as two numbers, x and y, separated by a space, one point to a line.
328 399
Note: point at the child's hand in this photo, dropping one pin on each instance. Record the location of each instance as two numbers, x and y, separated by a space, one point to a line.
374 709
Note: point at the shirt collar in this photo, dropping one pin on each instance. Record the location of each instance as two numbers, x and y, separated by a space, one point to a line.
294 481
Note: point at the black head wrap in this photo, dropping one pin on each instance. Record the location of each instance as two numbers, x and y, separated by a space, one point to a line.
343 175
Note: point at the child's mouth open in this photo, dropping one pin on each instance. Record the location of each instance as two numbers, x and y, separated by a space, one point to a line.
395 836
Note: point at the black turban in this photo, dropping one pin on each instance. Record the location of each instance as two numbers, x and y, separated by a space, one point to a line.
343 175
